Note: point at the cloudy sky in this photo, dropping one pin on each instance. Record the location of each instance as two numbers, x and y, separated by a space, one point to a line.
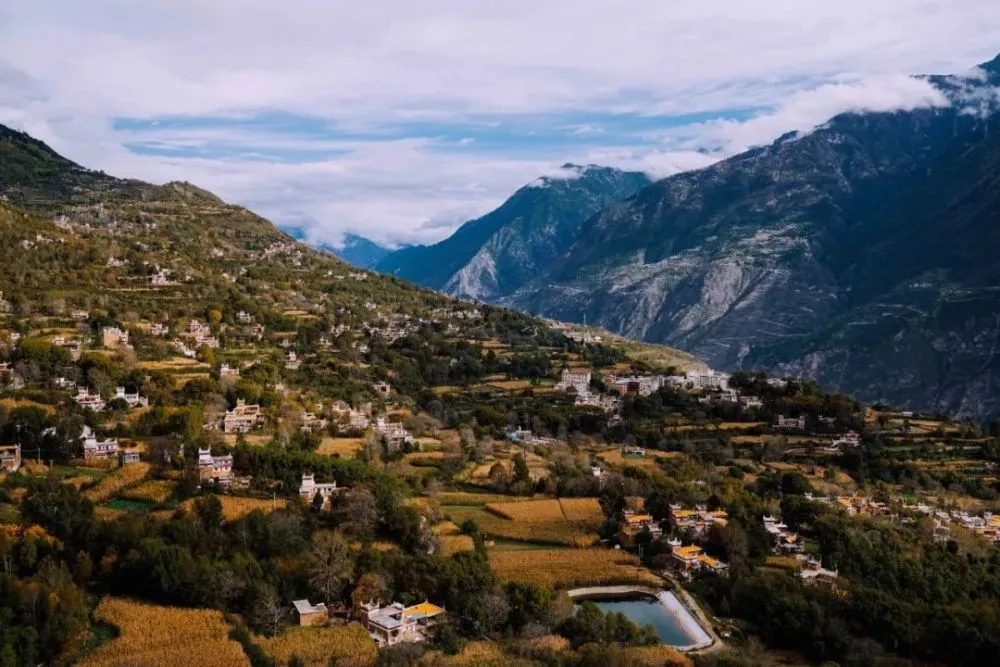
398 120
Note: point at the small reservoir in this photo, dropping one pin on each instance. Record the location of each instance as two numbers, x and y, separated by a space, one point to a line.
674 624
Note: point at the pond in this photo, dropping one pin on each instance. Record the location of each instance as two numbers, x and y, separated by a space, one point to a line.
645 610
672 622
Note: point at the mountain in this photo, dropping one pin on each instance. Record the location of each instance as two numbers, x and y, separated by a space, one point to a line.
860 254
359 251
491 256
76 239
356 250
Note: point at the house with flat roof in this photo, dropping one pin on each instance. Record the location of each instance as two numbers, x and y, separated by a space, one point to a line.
89 401
95 449
310 487
10 458
574 379
242 418
129 456
311 614
687 560
696 520
215 468
133 399
814 574
634 523
790 422
113 337
395 623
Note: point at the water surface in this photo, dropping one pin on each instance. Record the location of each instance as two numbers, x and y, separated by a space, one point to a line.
646 610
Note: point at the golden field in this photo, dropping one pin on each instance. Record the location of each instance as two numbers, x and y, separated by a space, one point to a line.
453 544
237 507
346 448
566 568
350 645
151 491
570 521
118 480
535 511
481 499
153 636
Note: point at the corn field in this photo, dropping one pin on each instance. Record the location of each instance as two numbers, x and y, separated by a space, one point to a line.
566 568
112 484
476 499
152 491
237 507
349 644
584 510
535 511
152 636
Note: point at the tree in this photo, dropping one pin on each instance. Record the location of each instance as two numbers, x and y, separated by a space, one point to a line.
495 608
613 498
330 565
358 513
371 587
269 613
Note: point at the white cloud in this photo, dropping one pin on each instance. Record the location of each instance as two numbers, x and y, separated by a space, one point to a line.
68 68
805 110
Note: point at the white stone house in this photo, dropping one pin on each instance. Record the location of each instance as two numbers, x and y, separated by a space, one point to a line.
113 337
218 468
89 401
96 449
242 418
790 422
578 380
134 400
309 488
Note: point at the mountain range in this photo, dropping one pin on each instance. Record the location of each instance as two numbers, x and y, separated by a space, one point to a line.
353 249
492 256
861 254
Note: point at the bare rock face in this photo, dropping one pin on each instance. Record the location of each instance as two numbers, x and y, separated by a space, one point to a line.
494 255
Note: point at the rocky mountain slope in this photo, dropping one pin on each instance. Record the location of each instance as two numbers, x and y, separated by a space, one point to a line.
492 256
860 254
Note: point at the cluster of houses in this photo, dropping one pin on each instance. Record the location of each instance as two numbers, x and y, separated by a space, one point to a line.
92 401
523 436
387 625
986 525
696 520
784 541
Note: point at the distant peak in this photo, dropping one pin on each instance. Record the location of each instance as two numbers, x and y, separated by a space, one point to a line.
992 66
